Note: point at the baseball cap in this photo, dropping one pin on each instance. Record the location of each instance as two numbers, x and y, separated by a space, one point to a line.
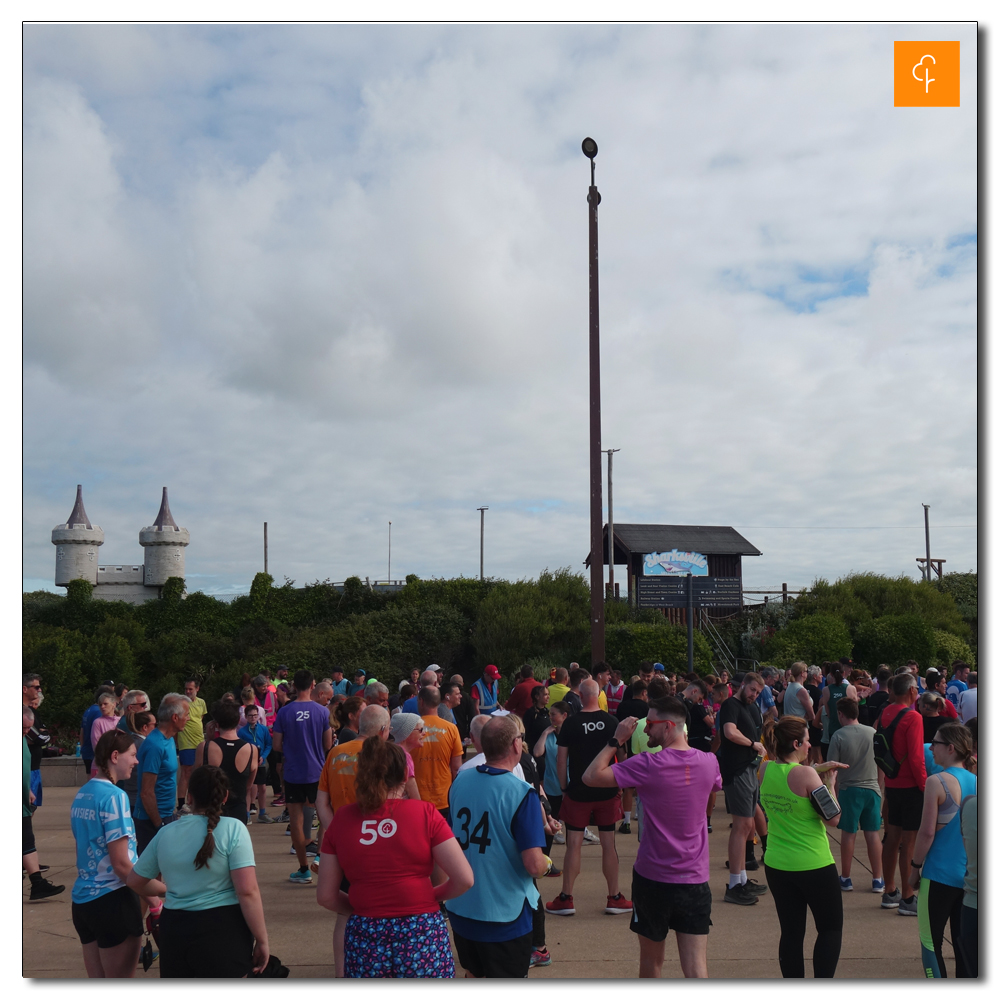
658 666
492 672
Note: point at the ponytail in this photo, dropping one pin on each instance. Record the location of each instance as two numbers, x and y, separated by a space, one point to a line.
343 711
959 737
381 768
779 738
208 787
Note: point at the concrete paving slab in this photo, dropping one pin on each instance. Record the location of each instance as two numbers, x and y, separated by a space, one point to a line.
878 944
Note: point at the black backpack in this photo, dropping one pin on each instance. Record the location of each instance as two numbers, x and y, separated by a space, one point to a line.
882 742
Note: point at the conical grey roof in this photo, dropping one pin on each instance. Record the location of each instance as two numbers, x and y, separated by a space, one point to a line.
79 514
164 519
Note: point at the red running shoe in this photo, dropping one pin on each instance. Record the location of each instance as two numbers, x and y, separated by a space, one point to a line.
618 904
562 906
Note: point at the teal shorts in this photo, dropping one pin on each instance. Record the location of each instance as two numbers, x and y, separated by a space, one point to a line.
859 806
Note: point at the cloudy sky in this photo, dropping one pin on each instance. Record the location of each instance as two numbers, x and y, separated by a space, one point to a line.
331 277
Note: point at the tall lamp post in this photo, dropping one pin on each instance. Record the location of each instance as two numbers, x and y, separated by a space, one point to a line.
482 534
596 506
610 452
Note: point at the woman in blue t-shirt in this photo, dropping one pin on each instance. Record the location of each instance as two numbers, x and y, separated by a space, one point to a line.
212 925
105 911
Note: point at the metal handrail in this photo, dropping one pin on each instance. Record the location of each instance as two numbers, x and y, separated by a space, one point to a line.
720 646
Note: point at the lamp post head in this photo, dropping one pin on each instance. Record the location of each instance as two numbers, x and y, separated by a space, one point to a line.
589 148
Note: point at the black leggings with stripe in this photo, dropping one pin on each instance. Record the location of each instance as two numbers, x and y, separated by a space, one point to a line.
819 890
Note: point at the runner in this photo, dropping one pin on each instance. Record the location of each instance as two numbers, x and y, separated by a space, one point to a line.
858 794
520 696
904 794
256 732
235 756
740 749
384 848
497 819
800 867
437 761
106 914
559 687
189 737
156 771
303 736
670 887
580 740
41 888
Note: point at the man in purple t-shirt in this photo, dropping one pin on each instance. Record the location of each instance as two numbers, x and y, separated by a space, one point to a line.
670 877
302 734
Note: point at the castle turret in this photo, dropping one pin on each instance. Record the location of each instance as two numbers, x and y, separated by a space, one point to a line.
163 544
76 544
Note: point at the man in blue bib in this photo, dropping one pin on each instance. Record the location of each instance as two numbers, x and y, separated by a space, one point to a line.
486 691
497 820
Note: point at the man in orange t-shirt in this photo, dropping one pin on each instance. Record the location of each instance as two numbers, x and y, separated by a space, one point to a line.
437 762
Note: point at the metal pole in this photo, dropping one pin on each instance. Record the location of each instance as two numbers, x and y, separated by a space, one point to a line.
610 452
690 622
927 539
265 546
388 571
596 507
482 533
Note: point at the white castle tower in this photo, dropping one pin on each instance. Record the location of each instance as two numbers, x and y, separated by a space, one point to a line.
163 544
77 542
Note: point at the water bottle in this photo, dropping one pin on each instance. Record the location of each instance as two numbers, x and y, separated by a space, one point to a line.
76 752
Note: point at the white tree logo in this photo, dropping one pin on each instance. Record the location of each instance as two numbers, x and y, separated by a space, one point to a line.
926 79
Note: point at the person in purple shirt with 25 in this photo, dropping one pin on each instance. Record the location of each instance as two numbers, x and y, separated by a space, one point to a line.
302 734
670 887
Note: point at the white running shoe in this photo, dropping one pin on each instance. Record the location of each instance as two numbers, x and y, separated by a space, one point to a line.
590 838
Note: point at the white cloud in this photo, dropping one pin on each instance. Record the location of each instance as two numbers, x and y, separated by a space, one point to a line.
328 277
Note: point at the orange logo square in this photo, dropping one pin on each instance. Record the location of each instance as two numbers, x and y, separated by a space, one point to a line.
925 75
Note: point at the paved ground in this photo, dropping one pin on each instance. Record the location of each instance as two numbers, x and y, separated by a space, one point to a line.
878 944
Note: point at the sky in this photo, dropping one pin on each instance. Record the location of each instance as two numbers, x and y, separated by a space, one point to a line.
330 277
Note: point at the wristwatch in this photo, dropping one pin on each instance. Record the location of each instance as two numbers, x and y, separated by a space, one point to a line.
614 743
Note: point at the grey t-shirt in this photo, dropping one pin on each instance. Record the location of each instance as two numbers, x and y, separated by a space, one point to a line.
853 745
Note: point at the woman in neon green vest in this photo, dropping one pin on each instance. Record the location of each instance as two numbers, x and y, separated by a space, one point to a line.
798 863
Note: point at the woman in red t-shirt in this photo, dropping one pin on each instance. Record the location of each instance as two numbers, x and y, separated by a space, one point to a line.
385 846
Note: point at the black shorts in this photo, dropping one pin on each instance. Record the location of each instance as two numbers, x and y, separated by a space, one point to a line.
659 907
109 919
301 794
145 831
205 944
495 959
261 778
27 836
904 807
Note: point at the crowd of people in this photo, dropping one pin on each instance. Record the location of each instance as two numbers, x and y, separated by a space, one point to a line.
429 806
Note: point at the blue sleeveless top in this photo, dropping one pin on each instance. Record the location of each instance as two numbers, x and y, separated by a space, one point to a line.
946 860
482 810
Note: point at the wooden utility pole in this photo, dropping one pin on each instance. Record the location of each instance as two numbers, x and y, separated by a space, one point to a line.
265 546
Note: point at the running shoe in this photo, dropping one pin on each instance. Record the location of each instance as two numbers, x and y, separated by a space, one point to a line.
625 827
561 906
300 877
554 872
314 865
264 818
312 848
278 800
709 827
42 868
253 808
890 900
752 885
559 838
846 885
751 865
590 838
43 889
878 885
540 958
740 895
288 830
284 817
908 907
618 904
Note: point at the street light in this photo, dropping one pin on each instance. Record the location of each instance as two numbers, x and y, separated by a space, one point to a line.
589 148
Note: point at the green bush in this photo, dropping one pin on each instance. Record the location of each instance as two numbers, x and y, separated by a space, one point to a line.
894 639
627 645
948 648
814 638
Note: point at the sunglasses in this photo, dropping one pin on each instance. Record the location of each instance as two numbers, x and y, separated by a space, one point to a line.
36 687
940 743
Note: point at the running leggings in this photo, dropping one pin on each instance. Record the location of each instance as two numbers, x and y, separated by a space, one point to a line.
970 940
937 905
819 890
